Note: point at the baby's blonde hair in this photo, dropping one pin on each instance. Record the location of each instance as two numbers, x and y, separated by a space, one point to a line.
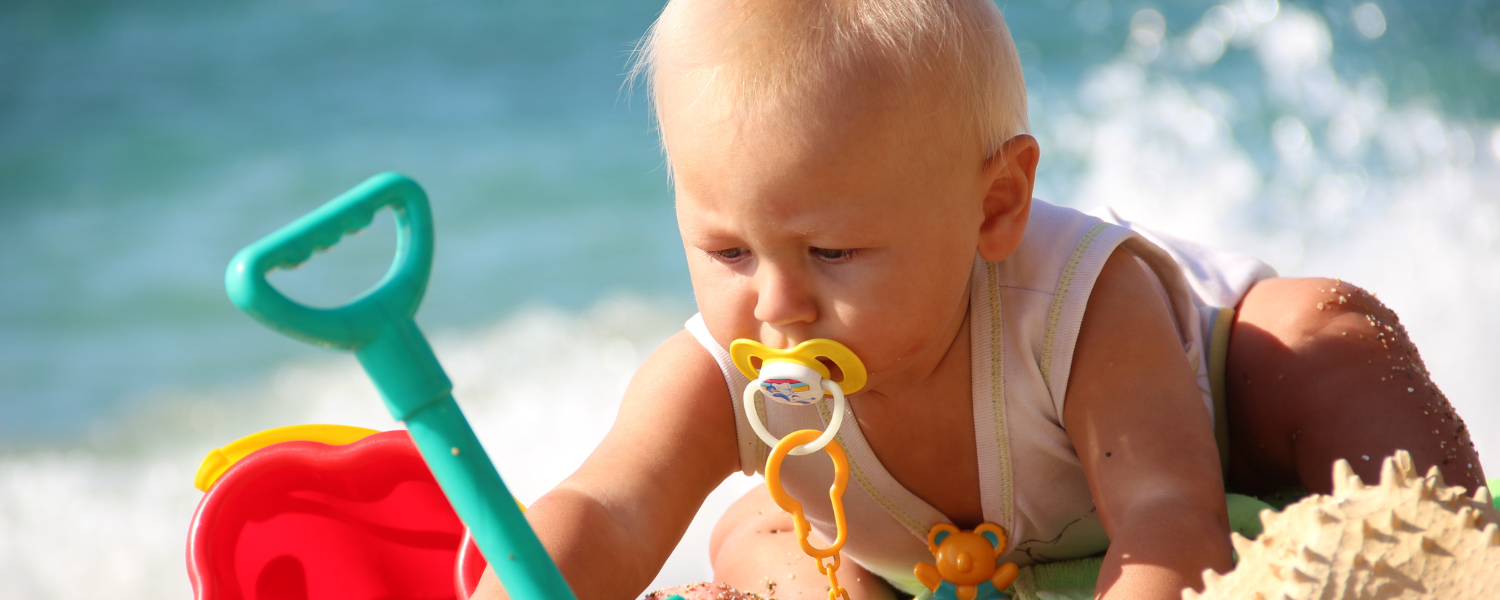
763 54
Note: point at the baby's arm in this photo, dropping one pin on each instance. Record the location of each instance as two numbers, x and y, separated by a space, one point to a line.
611 525
1135 416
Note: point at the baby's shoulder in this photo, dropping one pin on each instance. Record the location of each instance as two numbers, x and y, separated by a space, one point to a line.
1125 308
679 397
681 367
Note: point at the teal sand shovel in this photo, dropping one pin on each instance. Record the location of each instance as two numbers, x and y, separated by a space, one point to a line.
379 328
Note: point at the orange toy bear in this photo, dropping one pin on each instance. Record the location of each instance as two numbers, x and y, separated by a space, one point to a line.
966 568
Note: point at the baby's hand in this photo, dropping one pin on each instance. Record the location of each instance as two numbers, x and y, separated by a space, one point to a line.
702 590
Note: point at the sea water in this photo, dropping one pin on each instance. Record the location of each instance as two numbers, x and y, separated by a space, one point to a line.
142 144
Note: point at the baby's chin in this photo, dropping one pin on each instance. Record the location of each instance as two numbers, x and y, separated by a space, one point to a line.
702 590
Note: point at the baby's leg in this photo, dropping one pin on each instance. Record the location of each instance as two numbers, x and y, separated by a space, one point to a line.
754 549
1320 370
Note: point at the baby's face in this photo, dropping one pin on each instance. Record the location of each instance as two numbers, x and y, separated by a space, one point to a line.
835 225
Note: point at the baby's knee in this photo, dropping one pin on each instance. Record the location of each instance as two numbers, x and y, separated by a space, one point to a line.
1322 314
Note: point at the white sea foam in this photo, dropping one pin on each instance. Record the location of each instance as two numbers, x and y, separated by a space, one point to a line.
541 388
1397 199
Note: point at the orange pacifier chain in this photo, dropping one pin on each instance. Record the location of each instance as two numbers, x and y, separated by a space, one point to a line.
799 378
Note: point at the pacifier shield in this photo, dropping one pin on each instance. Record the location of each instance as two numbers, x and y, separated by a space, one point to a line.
806 354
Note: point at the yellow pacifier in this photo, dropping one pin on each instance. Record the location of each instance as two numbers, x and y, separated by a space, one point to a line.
796 376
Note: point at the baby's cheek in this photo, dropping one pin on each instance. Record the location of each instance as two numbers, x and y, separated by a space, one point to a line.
901 339
726 307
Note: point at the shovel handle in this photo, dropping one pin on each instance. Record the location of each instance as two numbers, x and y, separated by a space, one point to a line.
356 324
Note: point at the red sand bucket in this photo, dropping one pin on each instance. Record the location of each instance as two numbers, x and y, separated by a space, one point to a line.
308 520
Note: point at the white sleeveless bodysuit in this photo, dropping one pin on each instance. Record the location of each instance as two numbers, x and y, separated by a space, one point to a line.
1024 316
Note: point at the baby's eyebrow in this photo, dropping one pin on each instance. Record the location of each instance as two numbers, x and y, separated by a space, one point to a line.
713 238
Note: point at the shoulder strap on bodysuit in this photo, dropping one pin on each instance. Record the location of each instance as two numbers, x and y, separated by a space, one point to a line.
753 452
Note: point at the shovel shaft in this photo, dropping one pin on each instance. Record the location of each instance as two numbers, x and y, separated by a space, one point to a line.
473 485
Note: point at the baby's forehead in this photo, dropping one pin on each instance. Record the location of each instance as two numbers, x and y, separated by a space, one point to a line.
866 175
712 136
891 139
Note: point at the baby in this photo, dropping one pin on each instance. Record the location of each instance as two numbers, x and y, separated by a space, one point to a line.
859 170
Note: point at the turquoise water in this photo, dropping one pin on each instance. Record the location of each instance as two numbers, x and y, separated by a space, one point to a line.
141 145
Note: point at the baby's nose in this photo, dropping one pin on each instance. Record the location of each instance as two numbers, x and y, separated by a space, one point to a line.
783 297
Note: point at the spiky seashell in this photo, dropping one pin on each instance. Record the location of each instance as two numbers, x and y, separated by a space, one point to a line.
1409 537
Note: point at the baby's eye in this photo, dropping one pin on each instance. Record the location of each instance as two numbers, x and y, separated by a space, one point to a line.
729 254
832 254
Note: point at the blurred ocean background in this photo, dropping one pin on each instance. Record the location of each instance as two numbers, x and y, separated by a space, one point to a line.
143 143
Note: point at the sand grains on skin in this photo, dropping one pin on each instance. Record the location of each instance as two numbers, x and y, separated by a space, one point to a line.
704 590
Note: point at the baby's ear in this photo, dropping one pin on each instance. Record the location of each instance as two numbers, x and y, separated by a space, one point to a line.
1011 175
